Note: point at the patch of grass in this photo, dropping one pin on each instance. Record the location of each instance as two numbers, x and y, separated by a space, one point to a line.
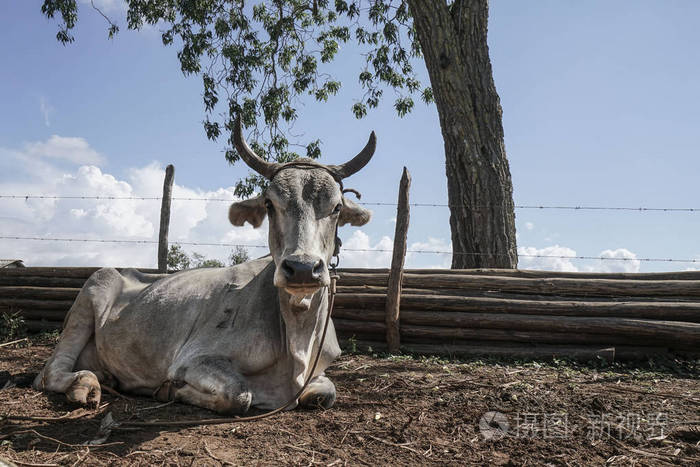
351 346
12 326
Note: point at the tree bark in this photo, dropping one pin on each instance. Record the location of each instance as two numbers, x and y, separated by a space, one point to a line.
479 187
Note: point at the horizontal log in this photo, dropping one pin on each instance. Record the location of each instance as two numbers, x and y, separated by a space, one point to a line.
437 334
40 281
455 292
9 304
42 326
46 315
672 311
458 325
79 272
519 351
39 293
527 273
558 286
441 335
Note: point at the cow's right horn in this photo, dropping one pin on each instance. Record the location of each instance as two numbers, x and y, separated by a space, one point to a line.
255 162
357 162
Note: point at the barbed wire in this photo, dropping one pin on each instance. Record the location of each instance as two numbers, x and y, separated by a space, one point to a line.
367 250
377 203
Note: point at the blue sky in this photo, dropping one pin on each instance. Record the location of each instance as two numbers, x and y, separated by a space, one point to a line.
600 106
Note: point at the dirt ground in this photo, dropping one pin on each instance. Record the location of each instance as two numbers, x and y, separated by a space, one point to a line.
390 411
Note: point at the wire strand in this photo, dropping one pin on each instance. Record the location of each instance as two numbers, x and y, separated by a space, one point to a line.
517 206
364 250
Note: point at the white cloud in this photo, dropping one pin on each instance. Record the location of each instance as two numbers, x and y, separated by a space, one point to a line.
695 266
46 110
627 263
70 149
553 258
358 251
548 258
36 170
433 260
122 219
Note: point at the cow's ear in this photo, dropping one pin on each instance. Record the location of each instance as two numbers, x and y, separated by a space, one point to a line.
353 214
251 210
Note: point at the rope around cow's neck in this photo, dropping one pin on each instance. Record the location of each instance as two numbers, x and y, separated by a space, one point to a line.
218 421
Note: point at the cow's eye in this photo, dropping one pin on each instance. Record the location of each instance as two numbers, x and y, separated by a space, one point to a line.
337 209
268 205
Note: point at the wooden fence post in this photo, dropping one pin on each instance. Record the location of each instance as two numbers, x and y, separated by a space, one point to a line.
165 219
393 297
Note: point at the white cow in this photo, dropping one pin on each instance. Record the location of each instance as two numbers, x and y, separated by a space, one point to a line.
225 338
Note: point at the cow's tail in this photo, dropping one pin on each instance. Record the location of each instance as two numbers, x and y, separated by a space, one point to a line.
58 374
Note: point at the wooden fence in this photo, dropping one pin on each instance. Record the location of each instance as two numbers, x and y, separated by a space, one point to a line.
526 313
463 312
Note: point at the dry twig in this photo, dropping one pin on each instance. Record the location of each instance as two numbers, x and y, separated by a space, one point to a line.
389 443
34 465
658 394
218 459
159 406
114 392
5 344
61 443
74 415
299 448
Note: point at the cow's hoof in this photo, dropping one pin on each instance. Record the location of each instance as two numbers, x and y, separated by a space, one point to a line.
38 383
319 394
85 389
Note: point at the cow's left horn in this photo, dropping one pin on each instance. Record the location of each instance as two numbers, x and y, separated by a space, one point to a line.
356 163
255 162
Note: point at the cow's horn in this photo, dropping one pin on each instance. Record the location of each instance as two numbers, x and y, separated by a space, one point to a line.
357 162
255 162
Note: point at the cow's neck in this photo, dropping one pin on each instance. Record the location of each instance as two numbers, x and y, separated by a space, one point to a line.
304 320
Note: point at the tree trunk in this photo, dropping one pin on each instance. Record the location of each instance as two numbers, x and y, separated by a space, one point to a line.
479 187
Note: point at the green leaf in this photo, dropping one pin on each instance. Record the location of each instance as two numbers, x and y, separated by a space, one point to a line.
403 106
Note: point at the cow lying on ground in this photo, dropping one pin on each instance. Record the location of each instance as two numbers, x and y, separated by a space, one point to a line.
225 338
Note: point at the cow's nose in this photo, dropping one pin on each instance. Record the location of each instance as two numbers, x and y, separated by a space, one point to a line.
302 269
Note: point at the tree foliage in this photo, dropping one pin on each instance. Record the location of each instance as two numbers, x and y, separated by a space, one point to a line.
259 59
239 255
179 260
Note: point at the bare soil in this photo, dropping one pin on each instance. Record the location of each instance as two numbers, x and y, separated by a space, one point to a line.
390 411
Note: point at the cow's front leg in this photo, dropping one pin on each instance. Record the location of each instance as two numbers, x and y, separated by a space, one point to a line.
320 393
209 382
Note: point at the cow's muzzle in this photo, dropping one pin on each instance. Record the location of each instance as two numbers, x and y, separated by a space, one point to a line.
302 273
